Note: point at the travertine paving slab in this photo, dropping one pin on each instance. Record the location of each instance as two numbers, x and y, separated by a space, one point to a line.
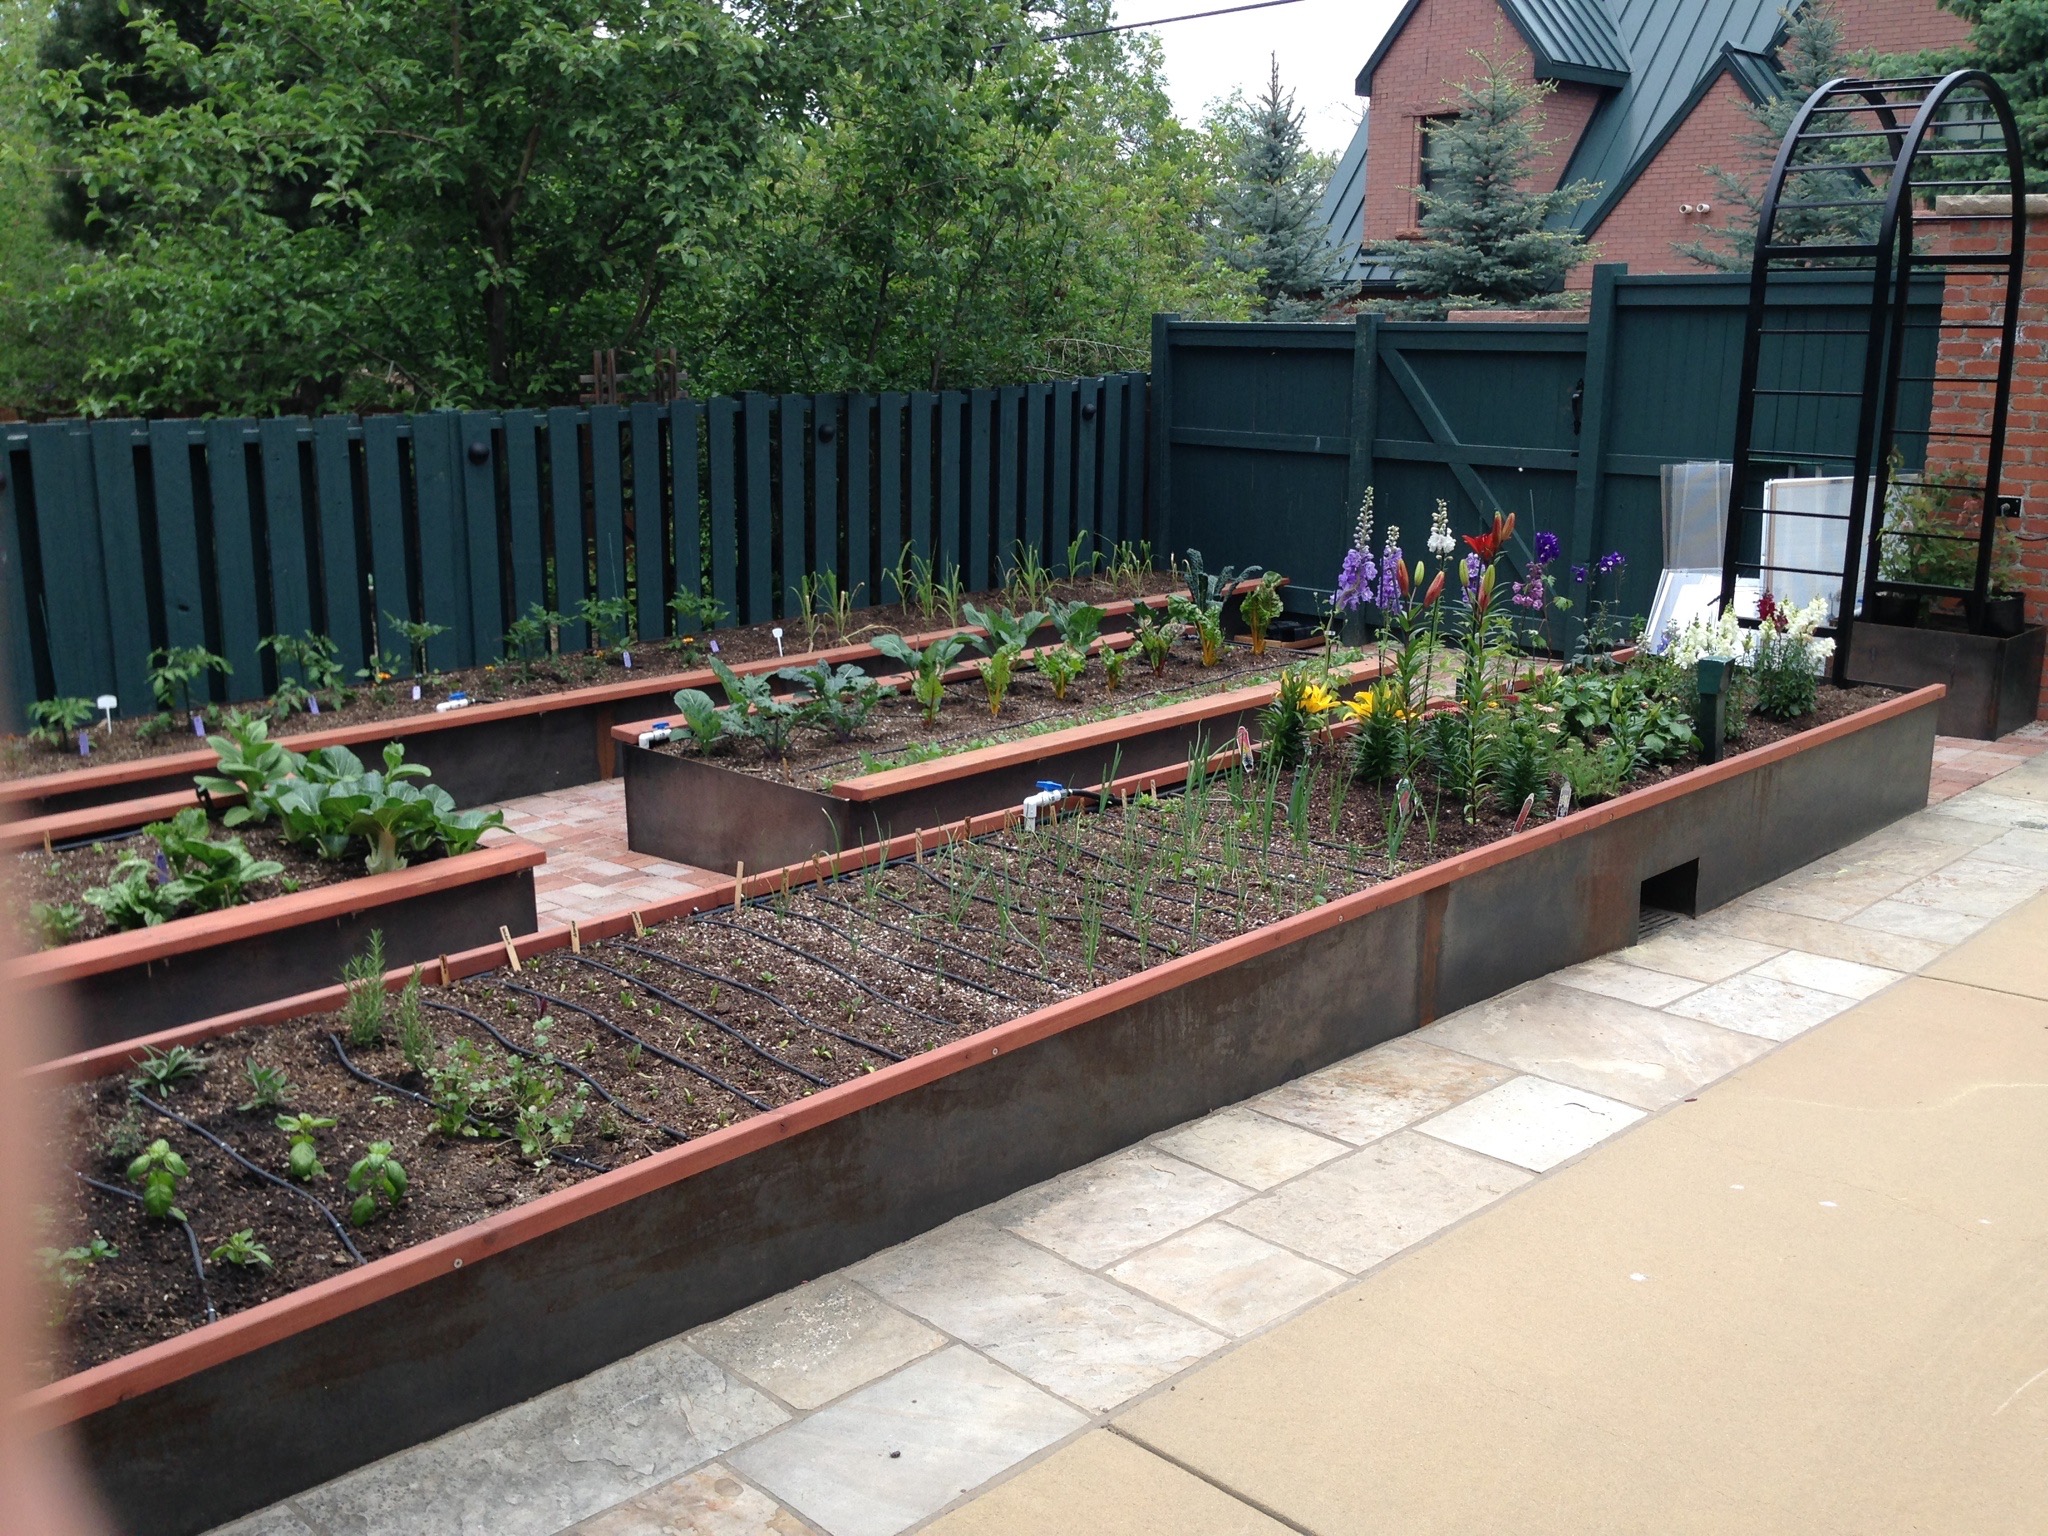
1687 950
1976 888
1097 1214
555 1459
1756 1004
2021 847
1631 983
1532 1122
1356 1212
1979 805
815 1343
1824 973
1075 1333
1812 936
1638 1055
1249 1148
1914 920
707 1502
1103 1485
1378 1091
1226 1278
2009 956
896 1451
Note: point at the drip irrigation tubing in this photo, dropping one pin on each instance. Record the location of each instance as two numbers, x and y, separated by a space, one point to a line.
1061 917
648 1046
261 1172
909 965
770 997
191 1237
823 964
362 1076
978 959
567 1066
697 1013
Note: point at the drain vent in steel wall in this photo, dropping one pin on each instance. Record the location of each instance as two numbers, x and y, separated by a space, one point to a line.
1655 920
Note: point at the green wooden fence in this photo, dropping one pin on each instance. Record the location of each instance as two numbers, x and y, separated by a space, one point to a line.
1266 436
124 536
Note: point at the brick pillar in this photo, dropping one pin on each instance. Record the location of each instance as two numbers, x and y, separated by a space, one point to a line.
1970 298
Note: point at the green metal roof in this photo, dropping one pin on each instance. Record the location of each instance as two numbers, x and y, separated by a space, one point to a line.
1567 40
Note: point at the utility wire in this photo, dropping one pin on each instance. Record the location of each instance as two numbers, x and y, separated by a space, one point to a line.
1163 21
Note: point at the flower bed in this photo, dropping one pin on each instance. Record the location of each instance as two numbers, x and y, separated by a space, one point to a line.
1054 994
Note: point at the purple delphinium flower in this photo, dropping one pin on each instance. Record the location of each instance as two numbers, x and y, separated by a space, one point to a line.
1355 581
1390 584
1612 561
1546 548
1474 569
1579 575
1528 592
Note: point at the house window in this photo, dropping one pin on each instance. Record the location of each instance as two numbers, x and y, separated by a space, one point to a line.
1426 155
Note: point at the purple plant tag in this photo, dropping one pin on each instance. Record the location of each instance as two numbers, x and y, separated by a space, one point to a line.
85 743
312 706
163 868
714 647
627 658
199 726
415 690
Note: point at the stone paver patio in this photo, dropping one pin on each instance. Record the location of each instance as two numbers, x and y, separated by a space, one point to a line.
884 1396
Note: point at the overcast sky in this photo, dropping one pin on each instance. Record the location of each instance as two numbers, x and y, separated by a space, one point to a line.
1321 44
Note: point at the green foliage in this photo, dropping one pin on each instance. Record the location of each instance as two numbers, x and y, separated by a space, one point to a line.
837 699
696 612
1060 665
1114 662
1286 723
1594 773
377 1181
609 619
2009 41
1268 221
1527 757
54 722
68 1265
158 1171
250 765
1006 630
1379 749
269 1087
417 634
1155 634
996 670
1206 620
1931 531
1078 623
362 977
242 1250
303 1160
161 1071
1783 677
192 873
174 669
330 801
416 1041
707 724
532 635
318 660
756 713
927 666
462 1085
1487 237
545 1112
54 922
1260 607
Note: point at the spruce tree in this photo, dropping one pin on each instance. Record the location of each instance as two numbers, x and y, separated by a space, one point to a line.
1487 238
2009 41
1268 213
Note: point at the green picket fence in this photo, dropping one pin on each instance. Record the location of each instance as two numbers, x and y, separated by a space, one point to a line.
124 536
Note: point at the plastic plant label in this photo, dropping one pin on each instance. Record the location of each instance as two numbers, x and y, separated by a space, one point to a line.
106 704
714 647
627 658
84 743
312 706
199 726
415 690
777 633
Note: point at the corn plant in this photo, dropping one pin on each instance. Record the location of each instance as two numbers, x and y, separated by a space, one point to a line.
1029 582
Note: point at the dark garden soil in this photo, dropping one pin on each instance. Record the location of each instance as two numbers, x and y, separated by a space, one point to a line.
65 874
361 702
896 733
705 1021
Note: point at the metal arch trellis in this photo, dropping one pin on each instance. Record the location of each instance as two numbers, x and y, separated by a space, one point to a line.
1841 202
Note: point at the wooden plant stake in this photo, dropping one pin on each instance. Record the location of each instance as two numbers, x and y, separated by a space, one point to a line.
48 851
639 927
511 949
446 981
739 886
575 937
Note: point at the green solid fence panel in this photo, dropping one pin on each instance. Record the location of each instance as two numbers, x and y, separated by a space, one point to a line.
827 521
177 533
80 650
1037 403
758 550
384 489
923 416
1111 476
686 528
123 559
443 553
607 500
565 503
980 475
16 635
290 567
1061 525
237 551
858 433
948 484
722 436
651 580
1009 464
1137 440
1087 445
341 565
476 463
791 499
523 518
890 527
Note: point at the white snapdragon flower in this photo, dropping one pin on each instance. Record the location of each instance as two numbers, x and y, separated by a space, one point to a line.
1442 543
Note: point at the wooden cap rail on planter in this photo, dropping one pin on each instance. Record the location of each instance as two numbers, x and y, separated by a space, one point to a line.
204 930
97 820
172 1359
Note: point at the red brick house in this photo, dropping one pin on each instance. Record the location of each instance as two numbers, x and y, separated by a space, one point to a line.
1649 93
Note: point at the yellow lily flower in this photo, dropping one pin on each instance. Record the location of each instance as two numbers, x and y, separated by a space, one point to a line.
1317 700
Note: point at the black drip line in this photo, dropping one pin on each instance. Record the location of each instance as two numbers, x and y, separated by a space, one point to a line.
908 965
769 997
646 1045
567 1066
261 1172
191 1237
961 949
823 964
699 1014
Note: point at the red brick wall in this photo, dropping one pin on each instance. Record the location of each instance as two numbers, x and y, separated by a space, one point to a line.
1418 79
1644 228
1898 26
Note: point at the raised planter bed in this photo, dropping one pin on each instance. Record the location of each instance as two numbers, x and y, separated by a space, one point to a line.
204 1426
1993 682
699 811
481 754
124 985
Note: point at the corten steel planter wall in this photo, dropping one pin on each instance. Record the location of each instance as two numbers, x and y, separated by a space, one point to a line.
1994 684
693 811
125 985
202 1428
482 754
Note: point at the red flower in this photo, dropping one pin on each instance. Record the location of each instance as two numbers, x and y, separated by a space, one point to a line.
1436 589
1487 545
1401 577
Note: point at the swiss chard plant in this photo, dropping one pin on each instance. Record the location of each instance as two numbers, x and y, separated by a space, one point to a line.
927 667
1078 623
1060 665
1005 630
1156 633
